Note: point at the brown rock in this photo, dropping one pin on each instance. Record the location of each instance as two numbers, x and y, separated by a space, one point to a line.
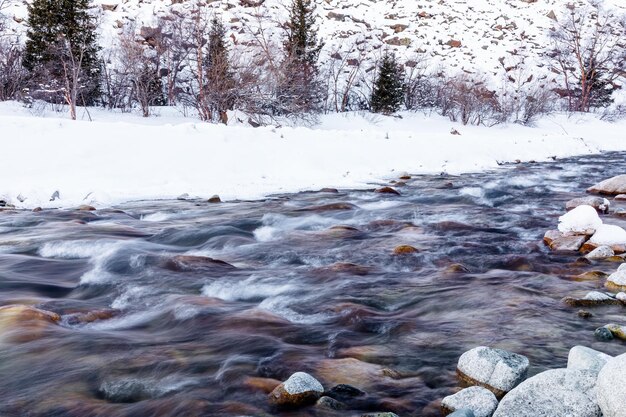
21 323
299 390
405 250
182 263
266 385
387 190
599 203
456 269
330 207
214 200
86 207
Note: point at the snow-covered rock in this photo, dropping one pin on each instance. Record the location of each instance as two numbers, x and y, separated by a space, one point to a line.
601 252
558 392
611 186
599 203
584 358
495 369
617 280
611 388
300 389
592 298
479 400
581 220
608 235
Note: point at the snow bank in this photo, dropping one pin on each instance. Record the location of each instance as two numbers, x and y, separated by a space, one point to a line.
118 158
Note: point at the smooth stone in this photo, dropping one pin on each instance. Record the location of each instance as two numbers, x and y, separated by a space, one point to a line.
85 207
22 323
387 190
612 186
601 252
617 331
495 369
599 203
603 334
561 242
584 358
610 387
330 404
557 392
620 197
183 263
214 200
456 269
479 400
330 207
299 390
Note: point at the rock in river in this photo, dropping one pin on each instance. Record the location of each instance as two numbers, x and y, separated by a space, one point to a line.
558 392
611 186
584 358
495 369
563 242
601 252
299 390
583 220
617 280
479 400
610 387
599 203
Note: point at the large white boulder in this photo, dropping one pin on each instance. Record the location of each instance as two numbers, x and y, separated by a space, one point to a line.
608 235
611 388
581 220
558 392
584 358
617 280
495 369
479 400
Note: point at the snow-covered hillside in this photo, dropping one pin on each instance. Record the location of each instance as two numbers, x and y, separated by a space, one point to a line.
499 37
54 162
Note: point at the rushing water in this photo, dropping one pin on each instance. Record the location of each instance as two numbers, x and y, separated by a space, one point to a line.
143 333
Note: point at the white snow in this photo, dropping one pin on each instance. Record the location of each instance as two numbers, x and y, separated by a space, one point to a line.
122 157
608 234
581 220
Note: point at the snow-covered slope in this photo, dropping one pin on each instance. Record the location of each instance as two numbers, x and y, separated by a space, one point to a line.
498 37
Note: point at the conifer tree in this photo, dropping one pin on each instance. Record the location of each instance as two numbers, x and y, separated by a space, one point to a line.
220 80
388 92
62 33
300 87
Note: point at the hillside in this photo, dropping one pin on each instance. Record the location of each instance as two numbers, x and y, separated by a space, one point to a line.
505 39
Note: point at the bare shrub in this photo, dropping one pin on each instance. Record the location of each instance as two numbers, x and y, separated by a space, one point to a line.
465 98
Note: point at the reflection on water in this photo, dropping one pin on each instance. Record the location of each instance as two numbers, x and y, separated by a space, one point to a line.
151 323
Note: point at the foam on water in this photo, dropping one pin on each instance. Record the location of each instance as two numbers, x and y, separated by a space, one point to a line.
76 249
158 216
281 306
249 289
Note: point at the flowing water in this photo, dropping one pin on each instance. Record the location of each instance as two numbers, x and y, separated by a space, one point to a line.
146 332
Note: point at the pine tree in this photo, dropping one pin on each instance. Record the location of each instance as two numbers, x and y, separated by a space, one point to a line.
58 29
300 88
388 93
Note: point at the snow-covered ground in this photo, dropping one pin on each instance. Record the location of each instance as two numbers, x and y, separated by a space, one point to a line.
122 157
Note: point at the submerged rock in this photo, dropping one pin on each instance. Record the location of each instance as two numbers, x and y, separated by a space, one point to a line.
456 269
22 323
610 387
558 392
587 359
611 186
387 190
617 331
405 250
479 400
182 263
330 404
599 203
603 334
330 207
299 390
495 369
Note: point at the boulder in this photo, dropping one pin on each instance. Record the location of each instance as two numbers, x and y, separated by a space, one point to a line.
610 387
609 235
495 369
617 280
599 203
405 250
583 220
299 390
611 186
22 323
387 190
479 400
558 392
584 358
601 252
620 197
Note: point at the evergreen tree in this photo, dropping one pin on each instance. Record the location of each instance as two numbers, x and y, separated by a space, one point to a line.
58 29
388 93
300 88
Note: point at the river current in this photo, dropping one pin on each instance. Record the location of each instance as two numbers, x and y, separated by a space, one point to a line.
186 308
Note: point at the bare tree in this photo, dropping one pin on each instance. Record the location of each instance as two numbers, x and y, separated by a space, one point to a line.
342 73
466 98
588 53
12 73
